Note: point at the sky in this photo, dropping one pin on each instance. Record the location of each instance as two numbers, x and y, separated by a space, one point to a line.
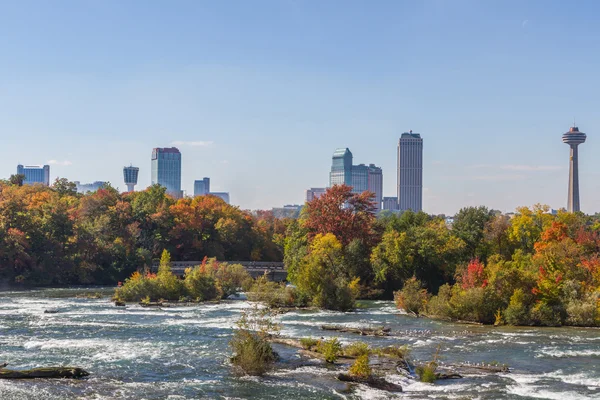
258 94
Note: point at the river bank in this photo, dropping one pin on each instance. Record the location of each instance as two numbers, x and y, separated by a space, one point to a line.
182 352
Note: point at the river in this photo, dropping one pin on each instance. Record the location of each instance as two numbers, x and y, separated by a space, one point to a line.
182 353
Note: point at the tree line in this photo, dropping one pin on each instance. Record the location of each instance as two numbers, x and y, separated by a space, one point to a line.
55 236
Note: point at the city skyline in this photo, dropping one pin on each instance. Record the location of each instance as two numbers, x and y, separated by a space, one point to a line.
280 85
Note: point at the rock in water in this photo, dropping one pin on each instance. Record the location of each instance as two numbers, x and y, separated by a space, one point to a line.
50 372
373 381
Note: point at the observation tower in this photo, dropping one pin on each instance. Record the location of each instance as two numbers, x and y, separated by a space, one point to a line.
131 177
573 138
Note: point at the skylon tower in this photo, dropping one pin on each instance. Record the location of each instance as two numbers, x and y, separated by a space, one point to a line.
573 138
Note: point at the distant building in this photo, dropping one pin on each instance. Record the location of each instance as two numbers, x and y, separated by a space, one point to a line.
361 177
221 195
35 174
341 168
410 172
89 187
390 204
375 184
166 169
201 187
314 193
287 211
130 174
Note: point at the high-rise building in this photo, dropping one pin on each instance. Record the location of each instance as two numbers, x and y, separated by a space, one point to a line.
341 168
35 174
166 169
362 177
222 195
573 138
390 203
202 187
410 172
89 187
130 174
376 184
314 193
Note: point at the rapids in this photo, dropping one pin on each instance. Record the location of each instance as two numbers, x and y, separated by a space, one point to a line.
182 353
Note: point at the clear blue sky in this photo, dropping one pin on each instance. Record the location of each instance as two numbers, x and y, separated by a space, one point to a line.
258 94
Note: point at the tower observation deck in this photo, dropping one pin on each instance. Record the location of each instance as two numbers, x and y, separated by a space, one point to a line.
573 138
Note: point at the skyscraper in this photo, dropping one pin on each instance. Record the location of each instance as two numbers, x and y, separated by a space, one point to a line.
573 138
166 169
410 172
201 187
375 184
341 168
130 174
35 174
360 177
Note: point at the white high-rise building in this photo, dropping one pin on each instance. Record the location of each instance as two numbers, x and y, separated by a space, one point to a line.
410 172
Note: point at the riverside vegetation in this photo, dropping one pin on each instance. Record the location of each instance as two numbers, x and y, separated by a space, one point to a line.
533 268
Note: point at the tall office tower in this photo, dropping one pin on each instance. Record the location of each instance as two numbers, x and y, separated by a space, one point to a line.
410 172
314 193
35 174
573 138
202 187
375 184
341 168
130 174
166 170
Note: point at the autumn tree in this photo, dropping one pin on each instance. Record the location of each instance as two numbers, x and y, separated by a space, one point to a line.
346 215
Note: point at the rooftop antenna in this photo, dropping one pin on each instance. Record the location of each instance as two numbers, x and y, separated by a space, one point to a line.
574 122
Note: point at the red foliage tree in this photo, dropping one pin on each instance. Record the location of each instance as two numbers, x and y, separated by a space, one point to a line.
347 215
473 276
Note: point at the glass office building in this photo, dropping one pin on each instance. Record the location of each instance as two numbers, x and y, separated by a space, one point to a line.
202 187
166 169
410 172
341 168
35 174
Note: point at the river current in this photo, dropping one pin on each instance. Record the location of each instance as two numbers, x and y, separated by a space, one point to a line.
182 353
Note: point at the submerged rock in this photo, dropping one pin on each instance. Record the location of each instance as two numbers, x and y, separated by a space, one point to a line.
372 381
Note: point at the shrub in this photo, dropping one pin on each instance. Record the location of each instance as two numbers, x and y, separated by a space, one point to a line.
584 312
275 294
400 352
412 298
356 349
253 353
439 305
231 277
308 343
476 304
360 368
427 372
200 285
331 349
168 286
516 313
547 315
